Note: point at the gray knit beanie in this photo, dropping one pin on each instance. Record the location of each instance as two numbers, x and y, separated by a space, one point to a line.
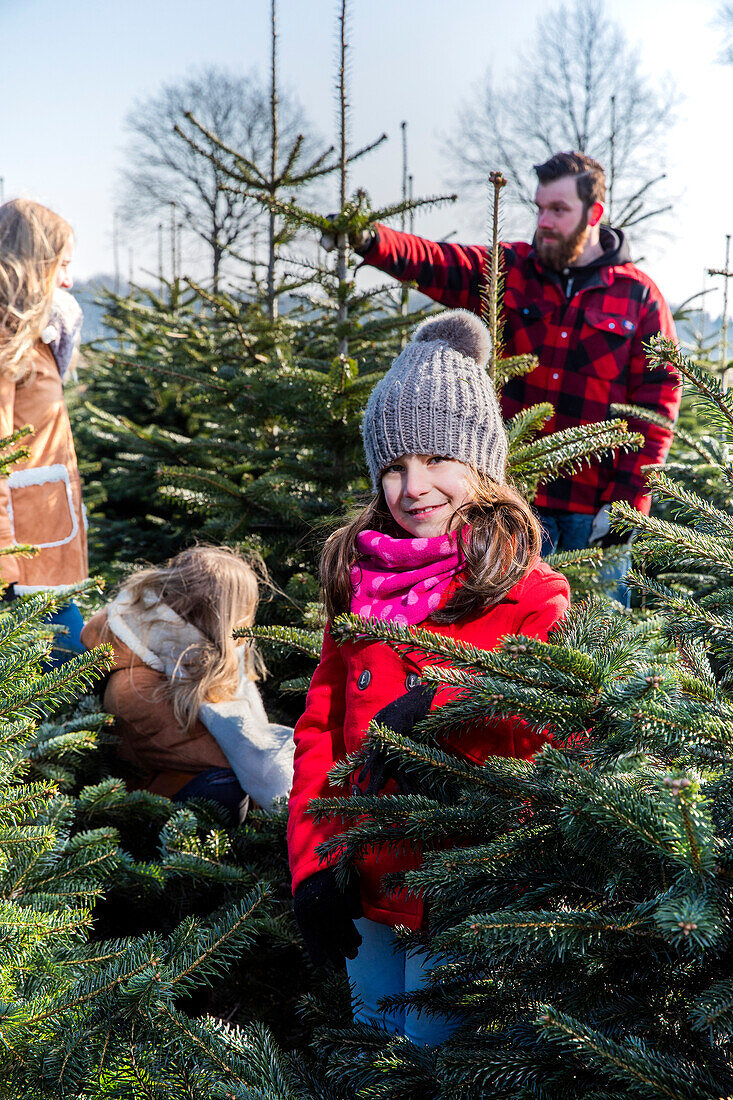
437 398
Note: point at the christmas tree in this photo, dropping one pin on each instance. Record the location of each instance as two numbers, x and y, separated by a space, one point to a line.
90 1005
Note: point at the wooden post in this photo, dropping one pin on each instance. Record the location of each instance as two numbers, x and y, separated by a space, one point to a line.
726 274
173 241
116 251
497 181
404 289
342 256
612 171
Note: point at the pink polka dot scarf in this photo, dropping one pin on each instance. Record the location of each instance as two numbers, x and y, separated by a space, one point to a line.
403 579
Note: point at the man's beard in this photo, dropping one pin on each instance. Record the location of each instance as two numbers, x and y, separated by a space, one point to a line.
559 252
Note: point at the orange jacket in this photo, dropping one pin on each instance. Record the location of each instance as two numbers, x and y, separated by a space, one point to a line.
40 501
151 738
354 681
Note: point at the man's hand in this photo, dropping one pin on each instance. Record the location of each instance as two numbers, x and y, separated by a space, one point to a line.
360 240
601 533
601 525
325 916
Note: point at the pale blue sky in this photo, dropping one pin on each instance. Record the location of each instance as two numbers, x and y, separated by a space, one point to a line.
71 71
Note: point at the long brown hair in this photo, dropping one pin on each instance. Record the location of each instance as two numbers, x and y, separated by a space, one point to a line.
32 242
215 590
503 542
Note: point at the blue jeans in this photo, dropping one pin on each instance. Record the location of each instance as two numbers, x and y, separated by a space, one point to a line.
571 531
218 785
382 969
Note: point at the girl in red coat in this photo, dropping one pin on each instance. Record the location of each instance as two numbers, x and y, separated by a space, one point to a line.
445 543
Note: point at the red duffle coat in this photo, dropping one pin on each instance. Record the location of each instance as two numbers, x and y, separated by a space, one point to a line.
354 681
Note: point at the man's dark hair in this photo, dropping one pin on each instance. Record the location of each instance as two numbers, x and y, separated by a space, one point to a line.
590 179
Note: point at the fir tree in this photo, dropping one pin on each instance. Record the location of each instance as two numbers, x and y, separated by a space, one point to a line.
91 1006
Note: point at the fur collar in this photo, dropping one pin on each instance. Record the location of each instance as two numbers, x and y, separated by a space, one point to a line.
154 632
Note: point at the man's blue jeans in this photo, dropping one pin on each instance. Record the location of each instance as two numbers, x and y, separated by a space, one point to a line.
382 969
571 531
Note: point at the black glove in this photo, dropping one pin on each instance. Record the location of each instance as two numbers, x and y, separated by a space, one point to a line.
400 715
325 916
360 241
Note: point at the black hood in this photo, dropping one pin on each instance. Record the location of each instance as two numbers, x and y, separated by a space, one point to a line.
615 248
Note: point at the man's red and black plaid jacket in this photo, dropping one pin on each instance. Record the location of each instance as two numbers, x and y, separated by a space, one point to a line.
588 343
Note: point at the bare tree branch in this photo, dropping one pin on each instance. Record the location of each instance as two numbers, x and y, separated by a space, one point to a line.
724 20
165 165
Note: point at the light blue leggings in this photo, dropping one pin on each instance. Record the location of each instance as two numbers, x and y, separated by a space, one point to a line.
381 969
66 645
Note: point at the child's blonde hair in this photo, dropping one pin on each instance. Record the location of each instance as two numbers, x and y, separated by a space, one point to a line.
215 590
32 241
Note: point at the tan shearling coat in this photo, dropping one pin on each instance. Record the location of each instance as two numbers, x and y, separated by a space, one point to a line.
40 501
164 757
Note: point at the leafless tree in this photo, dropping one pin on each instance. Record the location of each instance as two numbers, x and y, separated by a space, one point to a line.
724 20
165 168
577 86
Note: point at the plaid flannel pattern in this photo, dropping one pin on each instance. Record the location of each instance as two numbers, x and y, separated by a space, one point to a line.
589 348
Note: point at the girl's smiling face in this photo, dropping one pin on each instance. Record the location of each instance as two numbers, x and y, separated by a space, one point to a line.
424 493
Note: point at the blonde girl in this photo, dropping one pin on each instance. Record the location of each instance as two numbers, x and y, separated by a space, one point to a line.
189 716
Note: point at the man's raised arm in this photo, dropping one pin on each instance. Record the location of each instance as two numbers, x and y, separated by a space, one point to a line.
449 273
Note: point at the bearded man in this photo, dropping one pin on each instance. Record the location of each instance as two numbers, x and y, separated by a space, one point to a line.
574 300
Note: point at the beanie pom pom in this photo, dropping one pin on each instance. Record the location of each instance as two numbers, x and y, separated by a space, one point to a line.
461 330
